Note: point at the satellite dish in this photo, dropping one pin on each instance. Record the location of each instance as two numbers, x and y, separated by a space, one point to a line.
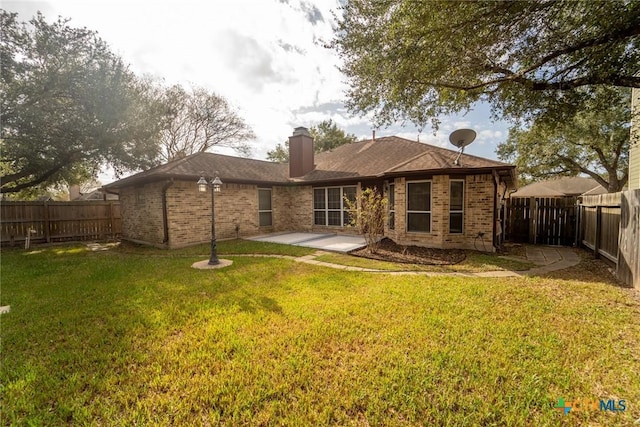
461 138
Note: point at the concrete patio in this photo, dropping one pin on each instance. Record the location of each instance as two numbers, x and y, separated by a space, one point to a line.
323 241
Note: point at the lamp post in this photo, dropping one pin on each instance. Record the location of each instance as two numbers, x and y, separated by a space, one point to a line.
215 185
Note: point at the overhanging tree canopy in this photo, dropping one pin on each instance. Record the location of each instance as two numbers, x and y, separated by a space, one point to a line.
69 106
595 142
411 60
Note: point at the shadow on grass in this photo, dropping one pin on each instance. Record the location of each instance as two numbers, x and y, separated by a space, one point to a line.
589 270
82 323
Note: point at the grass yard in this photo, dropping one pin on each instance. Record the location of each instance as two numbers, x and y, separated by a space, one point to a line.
135 336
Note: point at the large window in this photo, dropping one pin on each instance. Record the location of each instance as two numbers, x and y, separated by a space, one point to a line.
265 212
419 206
392 206
329 207
456 206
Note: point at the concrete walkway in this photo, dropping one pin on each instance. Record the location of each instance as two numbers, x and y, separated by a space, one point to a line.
547 258
550 258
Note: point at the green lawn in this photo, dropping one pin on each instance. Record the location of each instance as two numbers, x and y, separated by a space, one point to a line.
135 336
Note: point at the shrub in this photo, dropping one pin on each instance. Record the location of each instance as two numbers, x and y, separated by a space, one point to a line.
367 212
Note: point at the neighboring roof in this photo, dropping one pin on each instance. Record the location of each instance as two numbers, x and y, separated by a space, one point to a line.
96 195
387 156
561 187
599 189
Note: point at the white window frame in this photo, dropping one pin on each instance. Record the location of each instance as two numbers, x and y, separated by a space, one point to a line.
140 196
270 211
391 197
419 212
326 209
457 211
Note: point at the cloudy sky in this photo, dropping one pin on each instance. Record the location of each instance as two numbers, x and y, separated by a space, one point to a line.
265 56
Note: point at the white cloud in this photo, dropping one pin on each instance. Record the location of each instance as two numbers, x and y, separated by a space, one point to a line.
266 57
463 124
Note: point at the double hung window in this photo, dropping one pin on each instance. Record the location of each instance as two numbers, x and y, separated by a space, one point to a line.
265 211
419 206
456 206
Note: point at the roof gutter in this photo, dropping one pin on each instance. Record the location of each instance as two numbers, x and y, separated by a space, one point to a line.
154 178
104 189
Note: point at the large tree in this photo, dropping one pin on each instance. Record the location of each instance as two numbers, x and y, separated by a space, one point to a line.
69 106
413 60
201 120
326 136
594 142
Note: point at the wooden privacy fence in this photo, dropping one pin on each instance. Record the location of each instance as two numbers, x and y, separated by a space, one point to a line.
541 220
610 227
59 221
600 223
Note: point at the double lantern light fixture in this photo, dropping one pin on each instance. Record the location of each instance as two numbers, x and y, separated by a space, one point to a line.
216 186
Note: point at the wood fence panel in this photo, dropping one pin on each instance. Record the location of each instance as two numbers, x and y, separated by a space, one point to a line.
600 220
59 221
609 227
518 219
556 221
628 265
588 226
542 220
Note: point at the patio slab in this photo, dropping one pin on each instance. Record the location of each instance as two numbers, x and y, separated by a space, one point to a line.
328 241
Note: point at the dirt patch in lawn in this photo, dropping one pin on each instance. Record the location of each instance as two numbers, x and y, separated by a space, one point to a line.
392 252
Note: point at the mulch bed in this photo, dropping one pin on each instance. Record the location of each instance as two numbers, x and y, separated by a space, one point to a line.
392 252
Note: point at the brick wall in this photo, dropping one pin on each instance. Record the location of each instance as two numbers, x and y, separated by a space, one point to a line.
478 214
189 213
293 208
141 209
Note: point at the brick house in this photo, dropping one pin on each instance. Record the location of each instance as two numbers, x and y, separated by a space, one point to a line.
435 201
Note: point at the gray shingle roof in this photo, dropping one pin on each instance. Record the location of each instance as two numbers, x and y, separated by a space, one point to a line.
230 169
391 156
558 187
386 156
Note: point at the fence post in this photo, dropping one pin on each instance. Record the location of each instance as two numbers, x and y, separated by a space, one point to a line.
111 225
578 231
533 213
47 231
596 245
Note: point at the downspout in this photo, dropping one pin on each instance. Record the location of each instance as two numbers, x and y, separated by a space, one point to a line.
165 221
495 209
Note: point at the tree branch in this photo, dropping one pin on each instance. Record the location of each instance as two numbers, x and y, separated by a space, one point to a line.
35 181
537 85
620 34
584 170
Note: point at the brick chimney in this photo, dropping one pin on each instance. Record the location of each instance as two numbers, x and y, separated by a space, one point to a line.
74 192
300 152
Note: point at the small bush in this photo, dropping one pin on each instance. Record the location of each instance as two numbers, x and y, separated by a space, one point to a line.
367 213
